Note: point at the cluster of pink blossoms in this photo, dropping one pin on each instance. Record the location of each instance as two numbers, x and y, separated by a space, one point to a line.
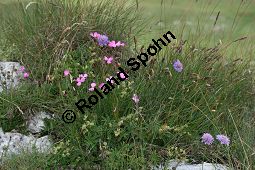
102 40
22 70
81 79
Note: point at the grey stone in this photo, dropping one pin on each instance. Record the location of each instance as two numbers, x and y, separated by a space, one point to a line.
16 143
174 164
36 122
9 77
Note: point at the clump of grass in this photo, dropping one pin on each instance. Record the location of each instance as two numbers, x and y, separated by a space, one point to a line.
46 30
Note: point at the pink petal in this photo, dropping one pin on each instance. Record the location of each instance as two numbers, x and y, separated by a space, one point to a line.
91 89
22 68
66 72
93 85
109 60
101 85
112 44
122 75
83 79
26 75
95 34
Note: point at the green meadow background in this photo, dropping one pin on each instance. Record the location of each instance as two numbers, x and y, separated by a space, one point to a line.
208 21
236 18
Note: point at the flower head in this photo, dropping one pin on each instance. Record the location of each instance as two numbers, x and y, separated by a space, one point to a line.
101 85
122 75
66 73
110 79
114 44
224 140
103 40
81 79
92 86
22 68
135 98
108 60
120 44
95 34
207 138
178 66
78 83
26 75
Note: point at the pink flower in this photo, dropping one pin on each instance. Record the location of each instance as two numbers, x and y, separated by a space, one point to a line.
66 73
108 60
120 44
81 79
101 85
122 75
113 44
78 83
95 35
135 98
26 75
108 79
93 85
22 68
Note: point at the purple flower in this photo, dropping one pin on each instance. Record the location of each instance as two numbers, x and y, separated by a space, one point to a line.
224 140
207 138
135 98
103 40
178 66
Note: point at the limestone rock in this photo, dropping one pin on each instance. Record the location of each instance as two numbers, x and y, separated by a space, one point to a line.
36 122
16 143
9 78
173 164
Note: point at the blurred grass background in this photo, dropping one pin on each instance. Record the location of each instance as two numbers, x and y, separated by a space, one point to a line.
207 21
236 18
